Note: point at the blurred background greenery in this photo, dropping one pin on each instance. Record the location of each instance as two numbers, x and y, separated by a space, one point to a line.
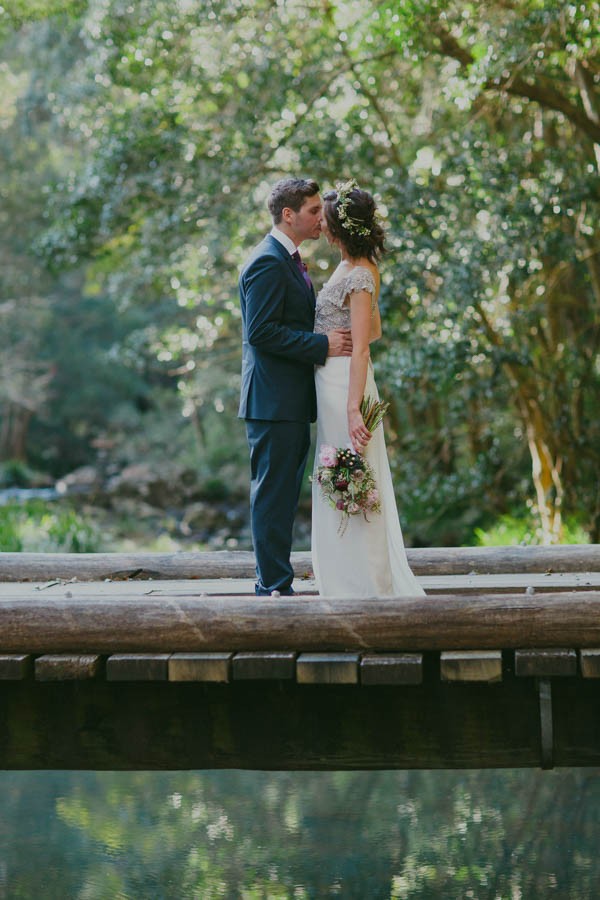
138 144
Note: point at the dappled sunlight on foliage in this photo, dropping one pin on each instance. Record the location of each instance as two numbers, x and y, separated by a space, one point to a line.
37 527
153 135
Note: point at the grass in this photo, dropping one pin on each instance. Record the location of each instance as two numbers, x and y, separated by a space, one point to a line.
39 527
510 530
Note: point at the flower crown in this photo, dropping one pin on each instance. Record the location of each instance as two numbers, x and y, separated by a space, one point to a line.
348 222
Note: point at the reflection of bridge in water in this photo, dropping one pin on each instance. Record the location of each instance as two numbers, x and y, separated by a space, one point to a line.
169 662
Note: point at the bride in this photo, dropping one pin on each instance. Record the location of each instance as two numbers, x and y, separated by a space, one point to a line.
366 558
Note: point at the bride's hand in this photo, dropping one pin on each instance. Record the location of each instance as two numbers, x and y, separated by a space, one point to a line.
359 434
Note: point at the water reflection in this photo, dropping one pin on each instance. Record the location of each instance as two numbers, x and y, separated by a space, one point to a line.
500 834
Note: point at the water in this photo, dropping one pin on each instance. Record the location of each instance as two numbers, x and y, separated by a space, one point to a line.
7 495
273 835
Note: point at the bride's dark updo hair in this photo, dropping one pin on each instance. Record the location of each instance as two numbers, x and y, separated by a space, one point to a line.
351 216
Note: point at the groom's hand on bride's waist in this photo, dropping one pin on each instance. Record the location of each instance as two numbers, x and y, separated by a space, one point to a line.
340 342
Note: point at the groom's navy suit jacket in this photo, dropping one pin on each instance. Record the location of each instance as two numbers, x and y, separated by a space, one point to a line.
279 348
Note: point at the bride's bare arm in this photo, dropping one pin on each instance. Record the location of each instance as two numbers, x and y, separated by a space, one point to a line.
360 321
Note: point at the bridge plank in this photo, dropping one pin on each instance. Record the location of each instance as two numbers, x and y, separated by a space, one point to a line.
391 668
471 665
212 667
67 667
235 587
15 667
546 663
137 667
263 664
327 668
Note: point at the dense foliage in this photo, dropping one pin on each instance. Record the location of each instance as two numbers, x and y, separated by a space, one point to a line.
140 141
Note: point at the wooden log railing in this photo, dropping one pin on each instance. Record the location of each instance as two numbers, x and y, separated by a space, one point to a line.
116 624
240 564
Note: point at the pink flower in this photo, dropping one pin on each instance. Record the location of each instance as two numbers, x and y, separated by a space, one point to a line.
353 508
339 504
327 455
373 498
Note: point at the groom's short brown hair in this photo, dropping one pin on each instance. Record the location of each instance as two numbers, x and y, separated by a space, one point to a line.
290 192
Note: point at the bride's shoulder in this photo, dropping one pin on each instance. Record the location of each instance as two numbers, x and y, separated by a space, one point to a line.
365 273
369 266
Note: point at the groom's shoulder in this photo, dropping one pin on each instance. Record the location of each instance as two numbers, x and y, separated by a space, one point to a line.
268 252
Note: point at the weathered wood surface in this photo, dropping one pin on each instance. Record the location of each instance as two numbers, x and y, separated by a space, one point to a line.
270 725
67 667
15 667
240 564
116 624
391 668
215 667
264 665
471 665
546 663
327 668
137 667
590 662
99 724
502 583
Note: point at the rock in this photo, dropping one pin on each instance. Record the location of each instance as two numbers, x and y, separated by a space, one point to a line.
85 480
157 486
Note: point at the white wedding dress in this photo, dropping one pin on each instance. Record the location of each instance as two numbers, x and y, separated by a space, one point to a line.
368 559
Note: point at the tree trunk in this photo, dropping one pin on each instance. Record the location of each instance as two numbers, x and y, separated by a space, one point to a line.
13 432
546 467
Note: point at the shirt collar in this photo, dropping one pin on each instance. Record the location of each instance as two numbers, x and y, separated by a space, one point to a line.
283 239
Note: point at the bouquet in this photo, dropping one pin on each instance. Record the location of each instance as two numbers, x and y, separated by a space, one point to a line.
346 479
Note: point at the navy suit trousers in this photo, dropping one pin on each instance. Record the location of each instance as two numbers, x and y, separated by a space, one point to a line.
278 452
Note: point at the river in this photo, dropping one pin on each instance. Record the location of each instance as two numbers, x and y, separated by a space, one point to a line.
514 834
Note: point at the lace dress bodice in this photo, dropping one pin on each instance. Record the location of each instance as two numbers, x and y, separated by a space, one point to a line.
333 308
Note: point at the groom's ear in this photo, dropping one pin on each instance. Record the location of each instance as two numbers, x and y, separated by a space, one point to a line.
286 214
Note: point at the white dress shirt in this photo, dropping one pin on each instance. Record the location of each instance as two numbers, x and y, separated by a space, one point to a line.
284 239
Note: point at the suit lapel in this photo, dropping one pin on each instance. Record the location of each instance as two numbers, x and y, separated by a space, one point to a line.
310 294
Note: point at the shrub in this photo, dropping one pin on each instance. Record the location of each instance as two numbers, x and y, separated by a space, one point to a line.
41 527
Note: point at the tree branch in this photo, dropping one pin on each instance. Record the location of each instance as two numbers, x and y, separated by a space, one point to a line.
541 91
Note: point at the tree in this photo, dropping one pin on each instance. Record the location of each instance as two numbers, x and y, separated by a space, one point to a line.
476 126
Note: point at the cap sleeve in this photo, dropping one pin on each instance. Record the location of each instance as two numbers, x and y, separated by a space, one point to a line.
360 279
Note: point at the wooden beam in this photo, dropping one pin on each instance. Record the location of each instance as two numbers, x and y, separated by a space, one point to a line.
545 663
101 724
391 668
107 624
213 667
137 667
327 668
471 665
67 667
590 662
264 664
14 667
241 564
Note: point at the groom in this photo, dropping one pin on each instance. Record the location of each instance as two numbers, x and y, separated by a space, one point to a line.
279 353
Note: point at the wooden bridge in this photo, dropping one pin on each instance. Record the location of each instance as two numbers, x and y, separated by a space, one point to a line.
168 662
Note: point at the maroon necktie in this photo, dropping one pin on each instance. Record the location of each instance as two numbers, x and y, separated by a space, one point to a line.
302 266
